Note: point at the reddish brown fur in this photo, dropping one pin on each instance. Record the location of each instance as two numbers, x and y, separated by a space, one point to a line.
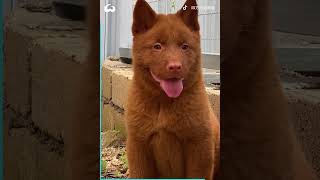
258 142
82 144
169 138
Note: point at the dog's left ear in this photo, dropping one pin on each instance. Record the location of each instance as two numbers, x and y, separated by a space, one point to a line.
189 14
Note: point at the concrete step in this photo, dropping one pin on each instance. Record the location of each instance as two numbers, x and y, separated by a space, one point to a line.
299 59
297 52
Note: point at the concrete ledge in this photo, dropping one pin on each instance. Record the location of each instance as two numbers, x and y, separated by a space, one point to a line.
305 109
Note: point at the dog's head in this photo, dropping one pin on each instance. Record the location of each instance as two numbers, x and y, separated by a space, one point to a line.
166 48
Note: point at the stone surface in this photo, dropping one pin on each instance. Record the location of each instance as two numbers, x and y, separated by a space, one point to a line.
305 111
28 154
211 76
107 117
108 67
17 70
56 73
106 82
111 138
119 122
113 119
45 60
214 98
28 159
121 83
45 56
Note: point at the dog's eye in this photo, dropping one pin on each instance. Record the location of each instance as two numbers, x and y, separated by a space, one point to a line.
157 46
184 46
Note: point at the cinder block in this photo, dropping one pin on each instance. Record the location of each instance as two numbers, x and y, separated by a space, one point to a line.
20 149
22 29
214 98
57 69
119 123
107 117
108 67
12 153
28 159
46 61
51 166
106 82
305 112
121 81
17 70
113 119
6 123
25 157
110 138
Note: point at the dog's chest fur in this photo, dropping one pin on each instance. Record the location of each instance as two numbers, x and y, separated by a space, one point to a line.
183 118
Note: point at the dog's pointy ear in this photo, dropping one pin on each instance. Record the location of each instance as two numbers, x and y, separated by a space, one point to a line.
143 17
189 14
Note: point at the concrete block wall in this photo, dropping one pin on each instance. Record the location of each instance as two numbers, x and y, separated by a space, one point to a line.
44 59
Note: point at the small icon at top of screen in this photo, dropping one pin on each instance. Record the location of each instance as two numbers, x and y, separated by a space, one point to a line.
184 7
109 8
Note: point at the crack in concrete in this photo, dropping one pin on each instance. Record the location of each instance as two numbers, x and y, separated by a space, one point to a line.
116 107
19 121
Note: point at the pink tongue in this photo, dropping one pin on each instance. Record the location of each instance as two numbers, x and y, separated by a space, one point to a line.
172 88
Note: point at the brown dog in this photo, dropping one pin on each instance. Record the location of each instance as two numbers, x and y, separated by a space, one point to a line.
258 141
172 131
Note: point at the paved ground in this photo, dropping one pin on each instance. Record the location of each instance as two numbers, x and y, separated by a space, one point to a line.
297 52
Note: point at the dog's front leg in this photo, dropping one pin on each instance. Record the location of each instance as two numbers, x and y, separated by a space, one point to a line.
140 158
199 159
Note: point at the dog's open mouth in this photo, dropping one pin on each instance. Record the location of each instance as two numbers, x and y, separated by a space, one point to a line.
172 86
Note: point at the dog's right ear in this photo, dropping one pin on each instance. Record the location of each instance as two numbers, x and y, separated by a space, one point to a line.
189 15
143 17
